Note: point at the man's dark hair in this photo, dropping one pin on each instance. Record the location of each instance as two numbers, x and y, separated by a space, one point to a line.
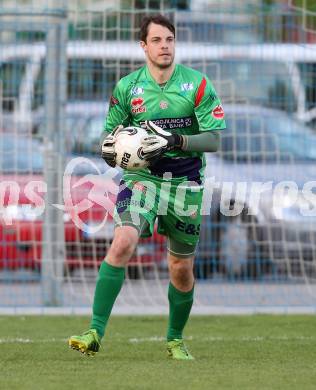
157 19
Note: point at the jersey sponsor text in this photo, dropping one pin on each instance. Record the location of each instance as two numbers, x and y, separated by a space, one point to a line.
173 123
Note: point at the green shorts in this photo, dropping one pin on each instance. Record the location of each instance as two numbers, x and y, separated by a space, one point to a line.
177 207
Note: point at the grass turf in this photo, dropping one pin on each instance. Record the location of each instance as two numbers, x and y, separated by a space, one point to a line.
232 352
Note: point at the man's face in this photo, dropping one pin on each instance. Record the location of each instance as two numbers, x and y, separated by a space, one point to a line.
159 47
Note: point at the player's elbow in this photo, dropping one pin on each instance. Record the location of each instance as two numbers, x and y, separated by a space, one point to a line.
215 142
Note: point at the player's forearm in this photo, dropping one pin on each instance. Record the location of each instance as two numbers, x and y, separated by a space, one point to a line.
207 141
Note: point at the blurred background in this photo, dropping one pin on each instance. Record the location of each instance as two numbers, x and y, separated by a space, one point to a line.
59 62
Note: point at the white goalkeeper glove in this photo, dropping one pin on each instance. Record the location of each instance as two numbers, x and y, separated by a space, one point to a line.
107 148
159 142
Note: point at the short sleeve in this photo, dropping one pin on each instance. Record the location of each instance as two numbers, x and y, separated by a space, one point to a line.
208 108
118 112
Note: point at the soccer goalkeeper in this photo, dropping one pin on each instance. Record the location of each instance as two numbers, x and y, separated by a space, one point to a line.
182 113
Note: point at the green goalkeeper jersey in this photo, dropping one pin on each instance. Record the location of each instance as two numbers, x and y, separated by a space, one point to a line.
187 104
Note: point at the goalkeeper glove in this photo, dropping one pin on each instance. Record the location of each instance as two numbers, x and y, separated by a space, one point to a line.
107 148
159 142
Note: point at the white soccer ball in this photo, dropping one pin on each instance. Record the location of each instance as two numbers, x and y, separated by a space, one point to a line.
128 148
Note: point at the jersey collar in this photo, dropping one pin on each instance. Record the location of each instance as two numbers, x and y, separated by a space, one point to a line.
172 77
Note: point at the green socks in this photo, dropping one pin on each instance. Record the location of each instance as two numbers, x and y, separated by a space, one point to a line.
108 286
180 304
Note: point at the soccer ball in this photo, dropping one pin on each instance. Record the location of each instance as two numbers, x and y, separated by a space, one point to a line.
128 148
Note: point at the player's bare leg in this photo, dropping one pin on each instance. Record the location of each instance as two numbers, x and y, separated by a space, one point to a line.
181 272
180 297
123 246
109 283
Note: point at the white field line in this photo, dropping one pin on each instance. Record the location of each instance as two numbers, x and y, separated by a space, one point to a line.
19 340
154 339
225 339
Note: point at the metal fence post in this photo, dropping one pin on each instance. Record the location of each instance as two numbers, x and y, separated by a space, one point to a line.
53 253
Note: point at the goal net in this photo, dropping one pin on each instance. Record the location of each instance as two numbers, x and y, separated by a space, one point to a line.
58 67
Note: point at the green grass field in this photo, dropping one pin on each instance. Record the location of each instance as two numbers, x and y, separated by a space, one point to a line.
232 352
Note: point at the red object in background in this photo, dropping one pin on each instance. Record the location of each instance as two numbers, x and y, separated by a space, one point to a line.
21 241
311 36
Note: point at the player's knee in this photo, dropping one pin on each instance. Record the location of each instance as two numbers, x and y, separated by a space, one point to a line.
123 245
181 272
